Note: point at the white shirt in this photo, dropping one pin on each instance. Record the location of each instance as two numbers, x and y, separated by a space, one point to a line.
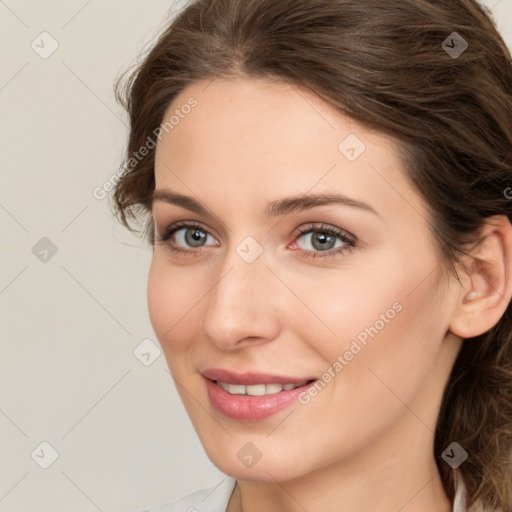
216 499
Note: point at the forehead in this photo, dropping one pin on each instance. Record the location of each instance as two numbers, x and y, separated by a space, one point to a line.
263 116
253 137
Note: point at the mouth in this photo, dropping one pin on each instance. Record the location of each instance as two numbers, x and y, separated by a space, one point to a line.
259 389
252 396
249 379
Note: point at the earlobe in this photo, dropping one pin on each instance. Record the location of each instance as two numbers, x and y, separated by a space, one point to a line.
486 289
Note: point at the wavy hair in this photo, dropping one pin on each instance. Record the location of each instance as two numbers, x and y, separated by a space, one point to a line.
388 65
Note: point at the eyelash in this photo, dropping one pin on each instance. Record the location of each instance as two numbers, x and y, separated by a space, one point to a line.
349 241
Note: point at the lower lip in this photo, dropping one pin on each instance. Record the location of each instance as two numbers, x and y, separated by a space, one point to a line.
251 408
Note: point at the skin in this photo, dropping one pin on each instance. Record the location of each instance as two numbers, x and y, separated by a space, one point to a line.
366 440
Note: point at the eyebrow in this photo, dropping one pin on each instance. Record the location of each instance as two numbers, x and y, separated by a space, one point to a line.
274 208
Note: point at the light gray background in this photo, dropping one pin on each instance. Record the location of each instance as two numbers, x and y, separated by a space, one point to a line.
70 325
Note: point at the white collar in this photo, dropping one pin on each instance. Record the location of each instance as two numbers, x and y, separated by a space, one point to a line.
459 502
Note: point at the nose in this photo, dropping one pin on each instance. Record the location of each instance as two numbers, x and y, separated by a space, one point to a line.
243 305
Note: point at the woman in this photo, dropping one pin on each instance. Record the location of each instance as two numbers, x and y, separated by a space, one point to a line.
326 190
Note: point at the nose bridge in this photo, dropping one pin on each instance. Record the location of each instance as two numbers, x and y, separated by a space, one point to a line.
240 302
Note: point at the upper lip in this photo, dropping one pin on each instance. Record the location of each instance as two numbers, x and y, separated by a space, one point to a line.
249 378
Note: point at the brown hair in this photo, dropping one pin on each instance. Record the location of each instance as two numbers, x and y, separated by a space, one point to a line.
382 63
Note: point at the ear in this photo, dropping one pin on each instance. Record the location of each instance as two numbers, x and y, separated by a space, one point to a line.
487 286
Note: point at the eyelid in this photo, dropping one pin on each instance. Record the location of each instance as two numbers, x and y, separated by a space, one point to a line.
323 227
170 230
347 238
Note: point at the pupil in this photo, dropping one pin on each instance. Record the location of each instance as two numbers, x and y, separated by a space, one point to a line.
194 236
322 238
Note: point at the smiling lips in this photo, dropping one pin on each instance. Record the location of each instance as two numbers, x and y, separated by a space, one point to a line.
257 389
252 396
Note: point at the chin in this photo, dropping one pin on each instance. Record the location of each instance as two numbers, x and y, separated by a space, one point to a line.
269 468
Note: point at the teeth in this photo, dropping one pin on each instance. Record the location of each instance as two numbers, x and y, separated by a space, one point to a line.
257 389
236 389
223 385
270 389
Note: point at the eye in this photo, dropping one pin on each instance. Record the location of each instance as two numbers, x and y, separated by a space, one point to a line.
190 234
322 241
192 238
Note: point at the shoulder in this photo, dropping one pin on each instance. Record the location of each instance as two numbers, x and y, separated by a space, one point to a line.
212 499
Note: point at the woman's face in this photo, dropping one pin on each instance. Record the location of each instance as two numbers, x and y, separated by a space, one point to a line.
353 300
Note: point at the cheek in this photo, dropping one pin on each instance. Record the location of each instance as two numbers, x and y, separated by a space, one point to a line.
400 334
159 302
171 295
345 305
385 320
367 393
